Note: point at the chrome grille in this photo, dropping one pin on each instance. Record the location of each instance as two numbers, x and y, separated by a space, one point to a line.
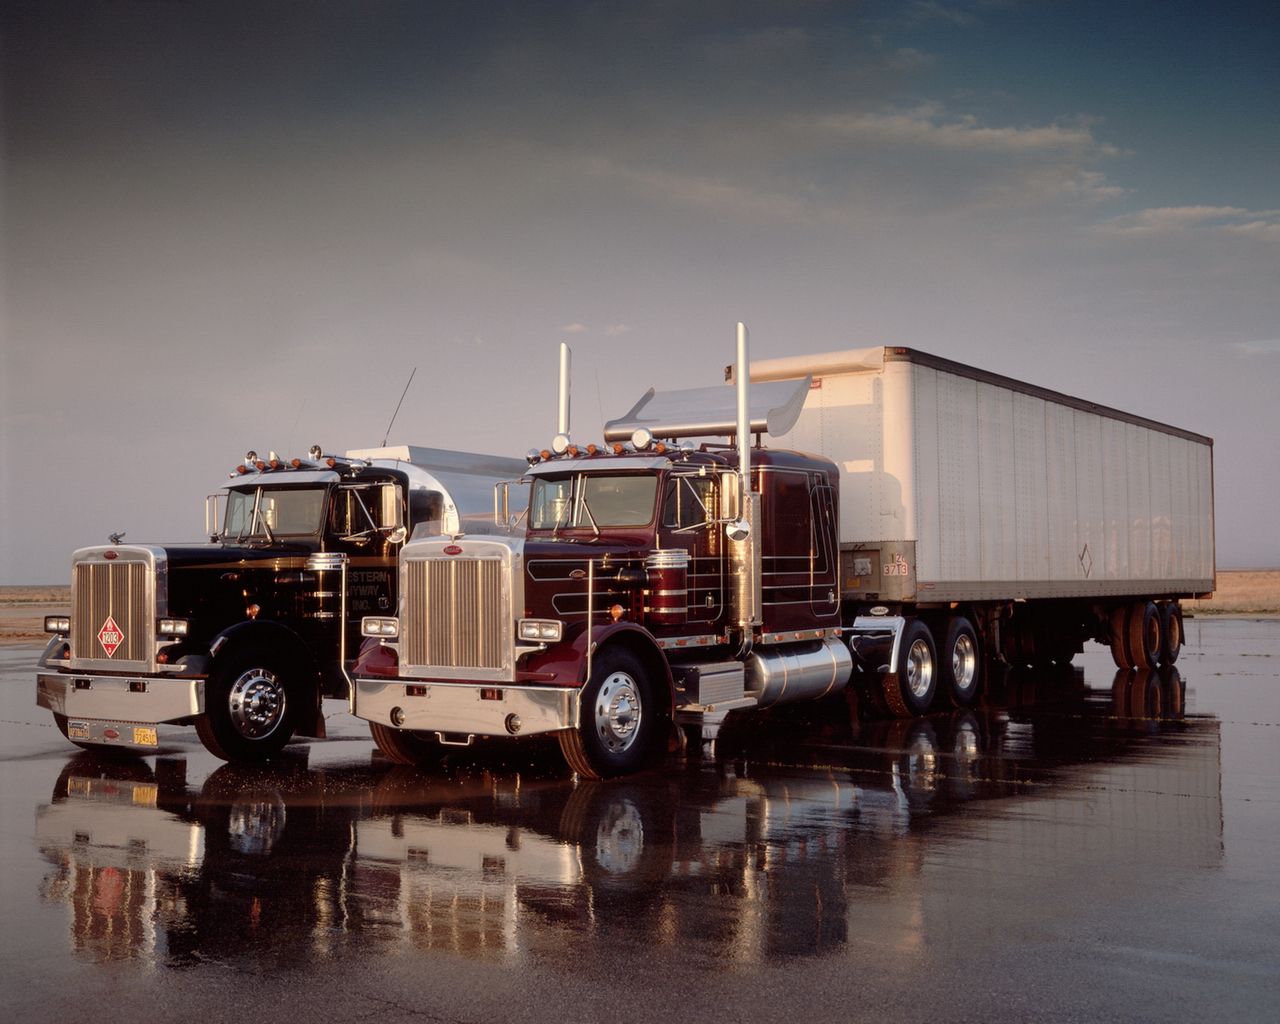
455 613
115 589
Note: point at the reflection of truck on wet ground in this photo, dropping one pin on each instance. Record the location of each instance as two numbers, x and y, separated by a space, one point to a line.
815 835
927 519
244 636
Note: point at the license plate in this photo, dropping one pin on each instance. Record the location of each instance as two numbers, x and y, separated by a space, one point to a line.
78 730
145 736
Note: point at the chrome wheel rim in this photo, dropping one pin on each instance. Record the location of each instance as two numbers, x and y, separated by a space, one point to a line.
964 663
257 703
256 823
620 839
618 712
919 669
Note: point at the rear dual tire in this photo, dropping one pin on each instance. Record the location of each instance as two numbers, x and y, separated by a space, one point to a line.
921 670
1145 634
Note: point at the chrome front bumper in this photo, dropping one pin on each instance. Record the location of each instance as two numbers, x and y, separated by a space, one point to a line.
457 709
109 698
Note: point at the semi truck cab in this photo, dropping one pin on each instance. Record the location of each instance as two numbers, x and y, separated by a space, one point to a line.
245 635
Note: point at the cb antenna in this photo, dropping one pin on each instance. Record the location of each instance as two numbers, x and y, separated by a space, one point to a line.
398 404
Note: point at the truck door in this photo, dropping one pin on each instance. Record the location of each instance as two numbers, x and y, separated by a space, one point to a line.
690 510
824 581
363 523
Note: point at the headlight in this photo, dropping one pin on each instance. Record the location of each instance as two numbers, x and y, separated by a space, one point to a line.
60 624
540 630
372 625
172 627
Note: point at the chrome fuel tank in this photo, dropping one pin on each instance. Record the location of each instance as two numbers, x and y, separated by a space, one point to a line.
798 672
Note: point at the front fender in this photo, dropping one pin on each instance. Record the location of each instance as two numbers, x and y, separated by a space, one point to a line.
284 642
640 642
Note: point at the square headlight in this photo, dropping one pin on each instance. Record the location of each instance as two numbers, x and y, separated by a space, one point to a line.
381 626
545 631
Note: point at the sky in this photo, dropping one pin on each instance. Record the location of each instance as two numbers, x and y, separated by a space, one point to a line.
242 225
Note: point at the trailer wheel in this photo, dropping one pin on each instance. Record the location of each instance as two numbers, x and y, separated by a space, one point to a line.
1170 632
249 712
1144 635
1120 637
404 746
910 690
618 720
961 661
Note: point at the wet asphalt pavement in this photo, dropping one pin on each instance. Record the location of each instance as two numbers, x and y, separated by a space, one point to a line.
1084 846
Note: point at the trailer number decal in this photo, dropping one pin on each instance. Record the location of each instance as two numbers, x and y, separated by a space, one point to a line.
110 636
897 567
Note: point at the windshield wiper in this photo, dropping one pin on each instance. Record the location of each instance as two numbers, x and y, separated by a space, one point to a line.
587 509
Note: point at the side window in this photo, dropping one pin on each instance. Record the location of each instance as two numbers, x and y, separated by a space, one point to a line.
358 510
788 514
239 505
689 501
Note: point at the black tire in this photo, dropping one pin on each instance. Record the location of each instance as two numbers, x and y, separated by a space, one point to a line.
1120 637
1173 692
625 835
404 746
249 708
920 765
1145 635
961 662
1170 632
911 689
620 723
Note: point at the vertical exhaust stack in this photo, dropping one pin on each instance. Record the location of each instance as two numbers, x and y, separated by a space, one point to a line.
745 550
744 413
562 422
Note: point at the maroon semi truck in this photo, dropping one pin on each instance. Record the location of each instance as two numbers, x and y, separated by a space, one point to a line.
663 580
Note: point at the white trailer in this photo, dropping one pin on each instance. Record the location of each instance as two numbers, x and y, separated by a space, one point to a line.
1041 519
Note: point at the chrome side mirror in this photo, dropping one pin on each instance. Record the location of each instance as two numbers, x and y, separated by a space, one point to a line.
738 530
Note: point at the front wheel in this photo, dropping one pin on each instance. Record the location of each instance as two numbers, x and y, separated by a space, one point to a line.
618 721
404 746
248 709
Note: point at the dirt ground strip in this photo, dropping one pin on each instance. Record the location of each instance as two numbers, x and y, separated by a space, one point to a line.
22 611
1250 592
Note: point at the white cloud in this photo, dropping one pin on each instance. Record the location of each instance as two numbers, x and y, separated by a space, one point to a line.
1174 220
703 192
925 128
1258 348
616 330
574 328
933 10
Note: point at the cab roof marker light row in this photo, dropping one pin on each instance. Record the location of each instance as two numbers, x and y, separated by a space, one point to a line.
273 461
561 446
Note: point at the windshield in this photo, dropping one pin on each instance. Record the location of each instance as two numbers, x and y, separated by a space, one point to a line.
262 512
592 500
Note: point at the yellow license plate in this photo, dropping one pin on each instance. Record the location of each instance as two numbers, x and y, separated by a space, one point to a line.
77 731
146 794
145 736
